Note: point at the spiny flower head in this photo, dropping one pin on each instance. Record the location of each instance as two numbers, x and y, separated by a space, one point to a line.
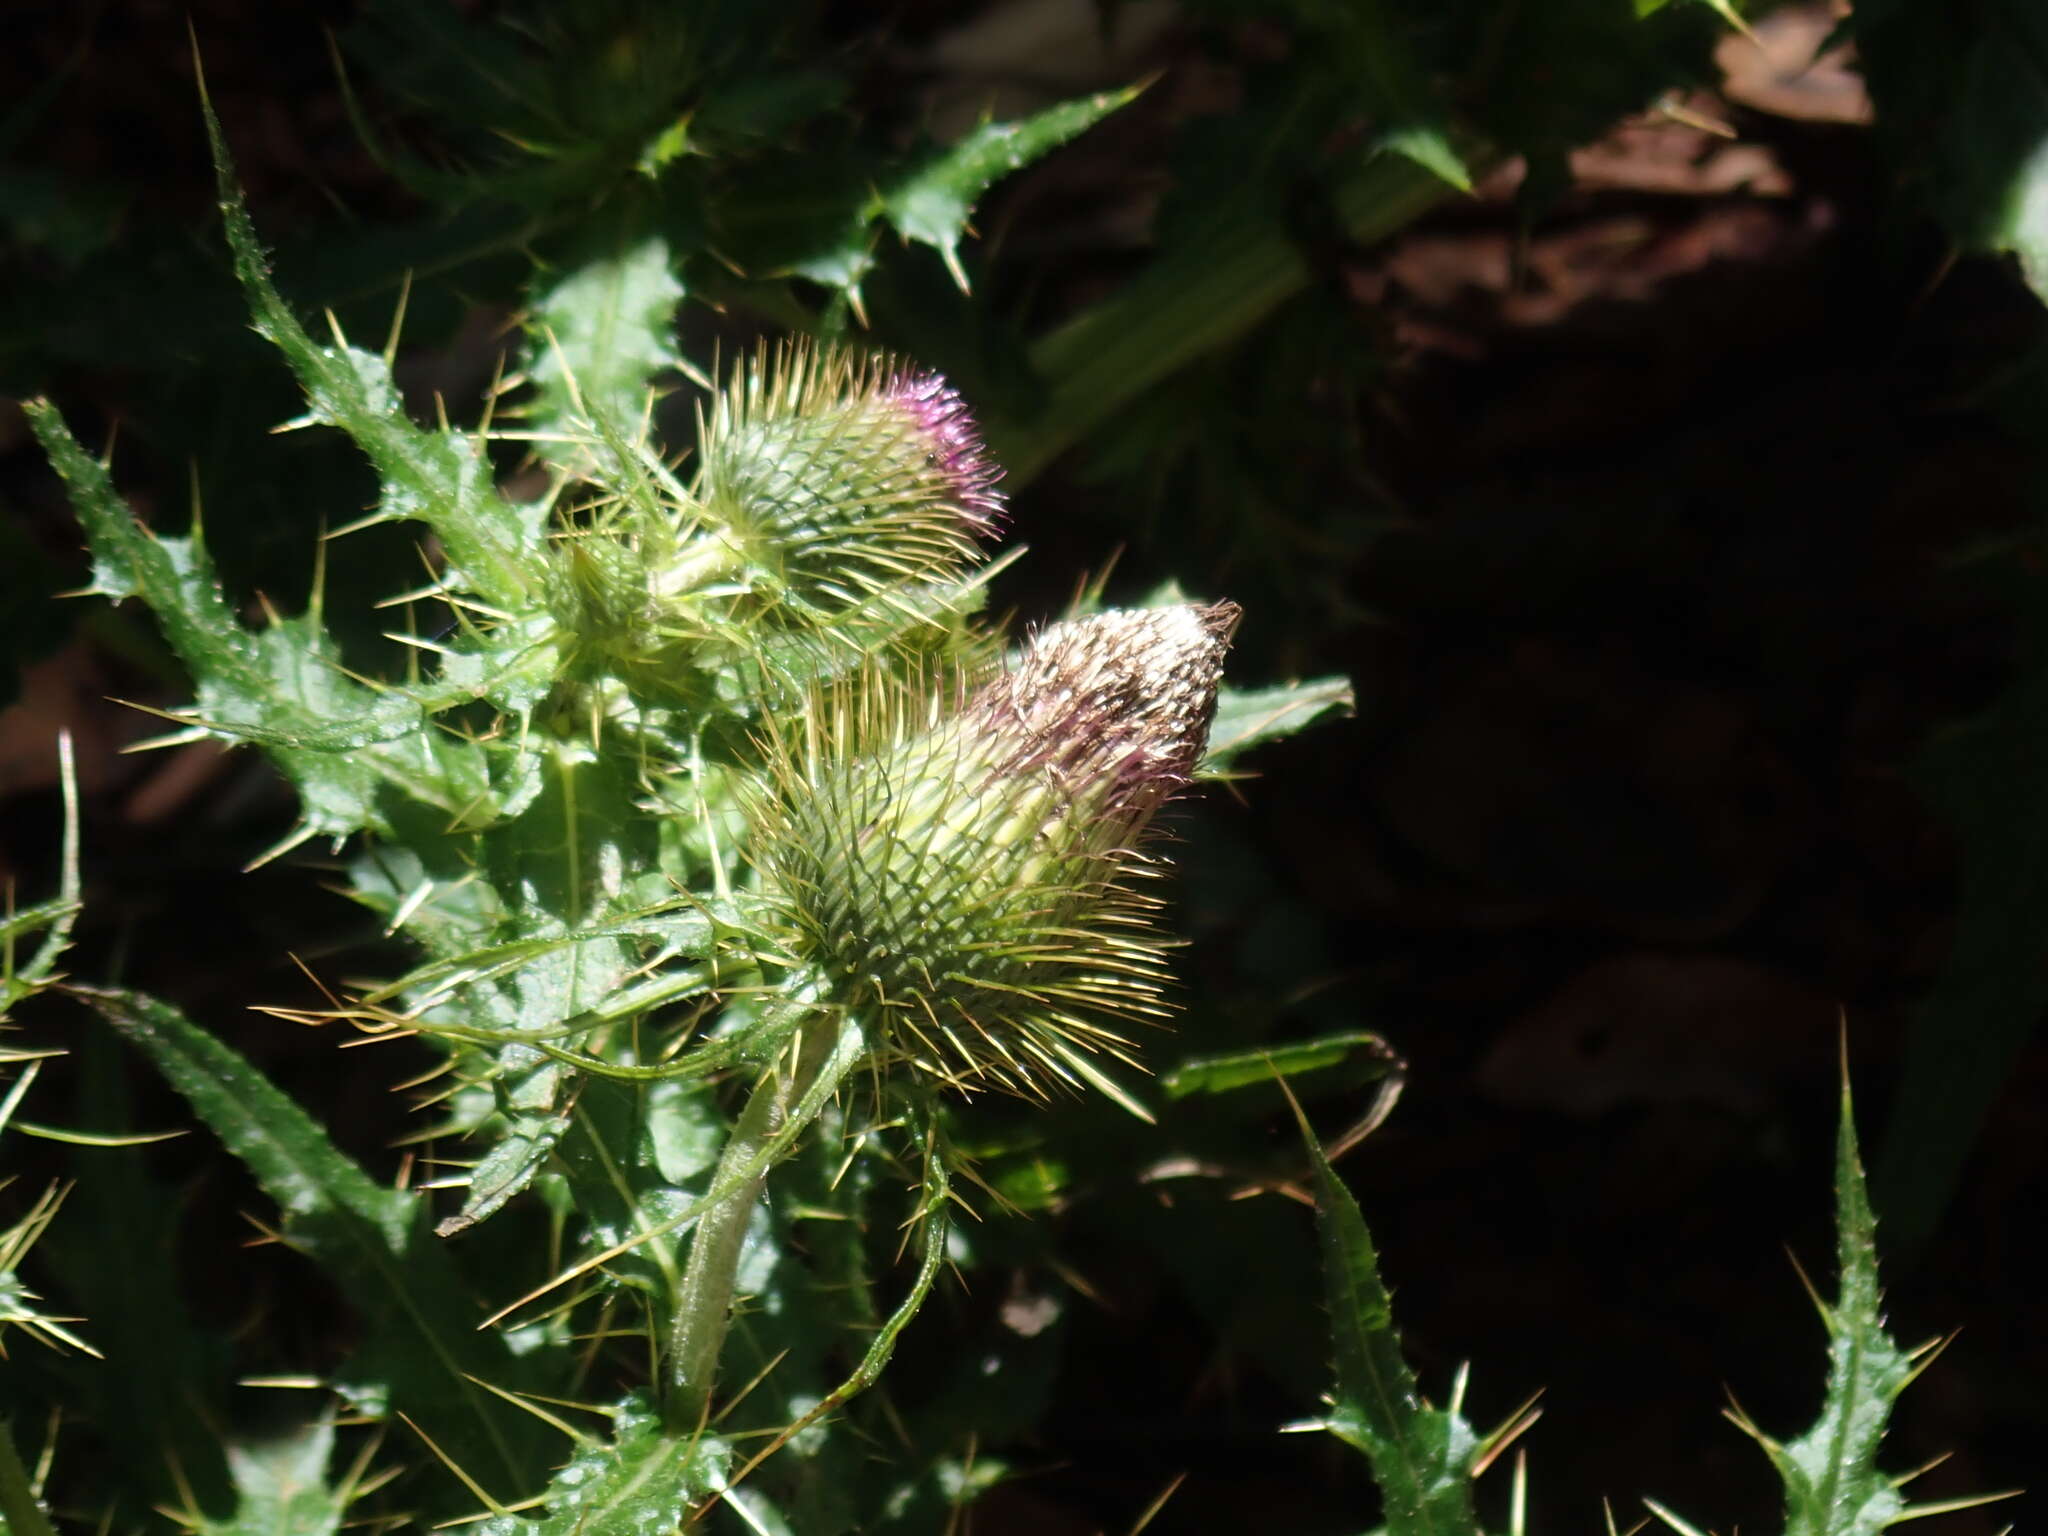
839 504
832 478
959 868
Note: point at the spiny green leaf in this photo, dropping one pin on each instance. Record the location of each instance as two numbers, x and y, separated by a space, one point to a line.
1832 1484
281 1487
642 1482
1245 717
373 1241
283 688
933 202
1422 1457
601 333
442 479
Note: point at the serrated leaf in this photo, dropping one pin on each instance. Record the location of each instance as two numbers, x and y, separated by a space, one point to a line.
281 1487
1366 1055
442 479
419 1322
1832 1484
522 1149
812 216
282 688
933 202
642 1482
1245 717
1422 1457
601 333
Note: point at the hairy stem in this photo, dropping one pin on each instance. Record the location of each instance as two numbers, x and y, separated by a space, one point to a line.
704 1304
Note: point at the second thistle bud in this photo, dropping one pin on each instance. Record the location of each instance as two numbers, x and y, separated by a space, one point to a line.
962 875
826 478
840 502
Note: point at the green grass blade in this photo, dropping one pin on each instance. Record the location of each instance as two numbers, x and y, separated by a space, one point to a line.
163 1384
420 1323
1422 1457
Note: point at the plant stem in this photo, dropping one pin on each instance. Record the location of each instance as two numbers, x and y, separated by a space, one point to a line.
1193 300
704 1304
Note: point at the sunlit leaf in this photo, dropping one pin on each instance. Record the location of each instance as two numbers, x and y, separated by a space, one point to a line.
1245 717
932 202
601 333
1365 1056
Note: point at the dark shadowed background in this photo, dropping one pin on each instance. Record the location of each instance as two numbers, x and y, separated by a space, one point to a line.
1664 517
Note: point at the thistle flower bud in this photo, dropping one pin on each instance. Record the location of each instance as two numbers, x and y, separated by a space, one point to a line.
827 478
963 876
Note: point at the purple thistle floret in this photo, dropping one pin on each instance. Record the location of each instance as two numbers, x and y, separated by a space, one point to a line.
832 483
946 427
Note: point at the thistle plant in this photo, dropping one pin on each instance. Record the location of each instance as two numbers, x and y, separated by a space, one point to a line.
731 839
